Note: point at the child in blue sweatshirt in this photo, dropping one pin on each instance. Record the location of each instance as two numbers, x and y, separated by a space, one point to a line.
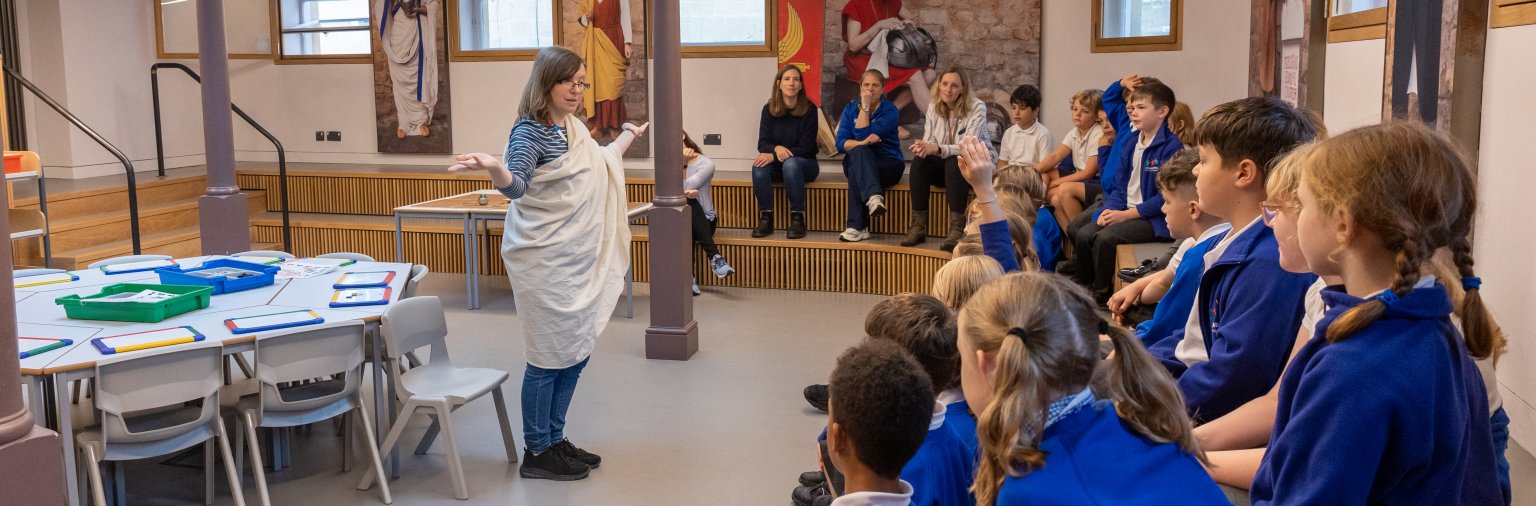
1132 210
1247 307
879 407
1173 289
1385 405
1029 350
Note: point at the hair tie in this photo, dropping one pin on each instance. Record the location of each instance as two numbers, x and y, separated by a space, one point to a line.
1019 332
1388 297
1471 283
1103 326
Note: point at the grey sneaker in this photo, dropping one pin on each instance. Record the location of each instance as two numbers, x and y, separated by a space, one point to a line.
721 268
876 205
851 235
696 287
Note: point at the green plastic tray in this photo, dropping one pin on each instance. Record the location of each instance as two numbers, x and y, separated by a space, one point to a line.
188 298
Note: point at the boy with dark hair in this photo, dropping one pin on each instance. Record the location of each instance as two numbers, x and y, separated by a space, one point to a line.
1239 334
1173 289
1027 140
880 409
1132 210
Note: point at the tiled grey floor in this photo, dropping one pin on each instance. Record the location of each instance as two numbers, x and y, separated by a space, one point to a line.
728 426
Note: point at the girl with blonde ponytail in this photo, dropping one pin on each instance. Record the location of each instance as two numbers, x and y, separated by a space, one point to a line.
1061 425
1384 404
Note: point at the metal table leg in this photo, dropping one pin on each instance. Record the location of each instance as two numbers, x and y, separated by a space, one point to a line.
66 431
470 269
399 240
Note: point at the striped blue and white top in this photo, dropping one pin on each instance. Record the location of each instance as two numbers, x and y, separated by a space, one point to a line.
530 145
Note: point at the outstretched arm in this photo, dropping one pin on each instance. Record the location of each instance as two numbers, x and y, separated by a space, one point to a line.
621 143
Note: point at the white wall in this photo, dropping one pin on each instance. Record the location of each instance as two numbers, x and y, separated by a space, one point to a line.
1211 69
1352 91
1503 253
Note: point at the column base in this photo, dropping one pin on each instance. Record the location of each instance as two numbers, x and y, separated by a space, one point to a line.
671 343
32 469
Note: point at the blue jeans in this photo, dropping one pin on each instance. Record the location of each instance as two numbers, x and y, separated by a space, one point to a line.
546 397
1500 423
868 175
794 172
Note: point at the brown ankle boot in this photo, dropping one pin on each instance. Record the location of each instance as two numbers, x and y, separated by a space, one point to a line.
917 232
956 231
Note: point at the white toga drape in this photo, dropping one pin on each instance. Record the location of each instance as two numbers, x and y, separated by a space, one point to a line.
410 49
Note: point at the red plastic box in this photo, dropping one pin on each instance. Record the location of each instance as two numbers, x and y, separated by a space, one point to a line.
12 163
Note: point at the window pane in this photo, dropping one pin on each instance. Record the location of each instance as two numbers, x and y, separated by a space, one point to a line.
506 24
1341 7
1137 18
723 22
327 43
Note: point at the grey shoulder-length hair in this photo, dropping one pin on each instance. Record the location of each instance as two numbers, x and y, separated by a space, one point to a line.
552 65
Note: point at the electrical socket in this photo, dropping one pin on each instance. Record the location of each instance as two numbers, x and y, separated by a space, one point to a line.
333 136
319 136
711 139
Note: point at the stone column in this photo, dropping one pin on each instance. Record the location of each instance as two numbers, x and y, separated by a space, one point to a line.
225 218
673 334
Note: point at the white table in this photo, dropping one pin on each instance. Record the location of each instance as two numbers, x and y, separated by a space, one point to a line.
39 316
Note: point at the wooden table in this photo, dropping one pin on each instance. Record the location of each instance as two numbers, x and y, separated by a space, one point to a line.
467 208
50 374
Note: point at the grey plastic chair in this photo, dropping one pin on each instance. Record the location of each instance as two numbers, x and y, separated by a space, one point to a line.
327 351
418 273
155 403
126 259
349 256
437 386
266 253
22 273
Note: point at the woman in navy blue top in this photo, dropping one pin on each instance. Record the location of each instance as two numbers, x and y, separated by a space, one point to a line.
867 135
786 151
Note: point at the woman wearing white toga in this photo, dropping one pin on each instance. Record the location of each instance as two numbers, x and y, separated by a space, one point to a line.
566 248
408 31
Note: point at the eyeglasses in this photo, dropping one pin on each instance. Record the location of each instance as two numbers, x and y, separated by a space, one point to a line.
1270 211
576 84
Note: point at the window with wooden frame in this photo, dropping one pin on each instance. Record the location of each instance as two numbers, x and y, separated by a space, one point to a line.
322 31
247 29
1121 26
500 30
728 28
1512 13
1350 20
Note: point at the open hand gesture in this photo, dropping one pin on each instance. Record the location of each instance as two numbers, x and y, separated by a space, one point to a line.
472 162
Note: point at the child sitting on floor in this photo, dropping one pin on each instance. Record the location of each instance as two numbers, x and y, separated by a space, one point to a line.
881 407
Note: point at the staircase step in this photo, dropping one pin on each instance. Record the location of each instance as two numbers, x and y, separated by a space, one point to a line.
183 242
67 205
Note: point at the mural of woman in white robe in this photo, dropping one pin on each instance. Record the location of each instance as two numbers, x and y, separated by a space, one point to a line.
408 31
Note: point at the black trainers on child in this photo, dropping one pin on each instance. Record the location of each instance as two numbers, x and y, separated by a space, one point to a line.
817 396
582 456
806 496
552 465
812 478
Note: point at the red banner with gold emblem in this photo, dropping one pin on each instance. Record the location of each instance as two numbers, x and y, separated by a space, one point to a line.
800 32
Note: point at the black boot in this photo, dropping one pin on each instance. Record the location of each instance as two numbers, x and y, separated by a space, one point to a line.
764 224
796 225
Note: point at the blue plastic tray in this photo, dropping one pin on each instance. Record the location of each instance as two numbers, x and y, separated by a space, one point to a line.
221 284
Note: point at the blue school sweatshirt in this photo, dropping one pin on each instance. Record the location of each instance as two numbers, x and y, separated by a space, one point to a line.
1091 457
1047 238
1173 309
942 470
958 416
1249 310
1394 414
1125 138
998 244
882 123
1164 145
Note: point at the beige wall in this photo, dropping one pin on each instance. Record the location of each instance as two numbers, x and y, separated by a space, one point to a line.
1503 253
1352 93
1211 69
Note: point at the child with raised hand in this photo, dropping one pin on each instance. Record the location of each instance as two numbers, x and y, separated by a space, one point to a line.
1385 405
878 416
1029 352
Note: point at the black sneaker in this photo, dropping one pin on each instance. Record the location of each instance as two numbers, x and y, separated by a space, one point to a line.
1131 274
806 496
552 465
582 456
817 396
812 478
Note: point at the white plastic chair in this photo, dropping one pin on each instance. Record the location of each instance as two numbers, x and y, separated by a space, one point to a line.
157 403
22 273
437 386
418 273
126 259
266 253
349 256
324 351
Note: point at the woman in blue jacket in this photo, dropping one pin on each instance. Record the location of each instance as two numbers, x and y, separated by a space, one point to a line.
867 135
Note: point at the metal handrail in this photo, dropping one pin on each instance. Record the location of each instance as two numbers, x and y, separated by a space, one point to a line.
133 190
282 159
